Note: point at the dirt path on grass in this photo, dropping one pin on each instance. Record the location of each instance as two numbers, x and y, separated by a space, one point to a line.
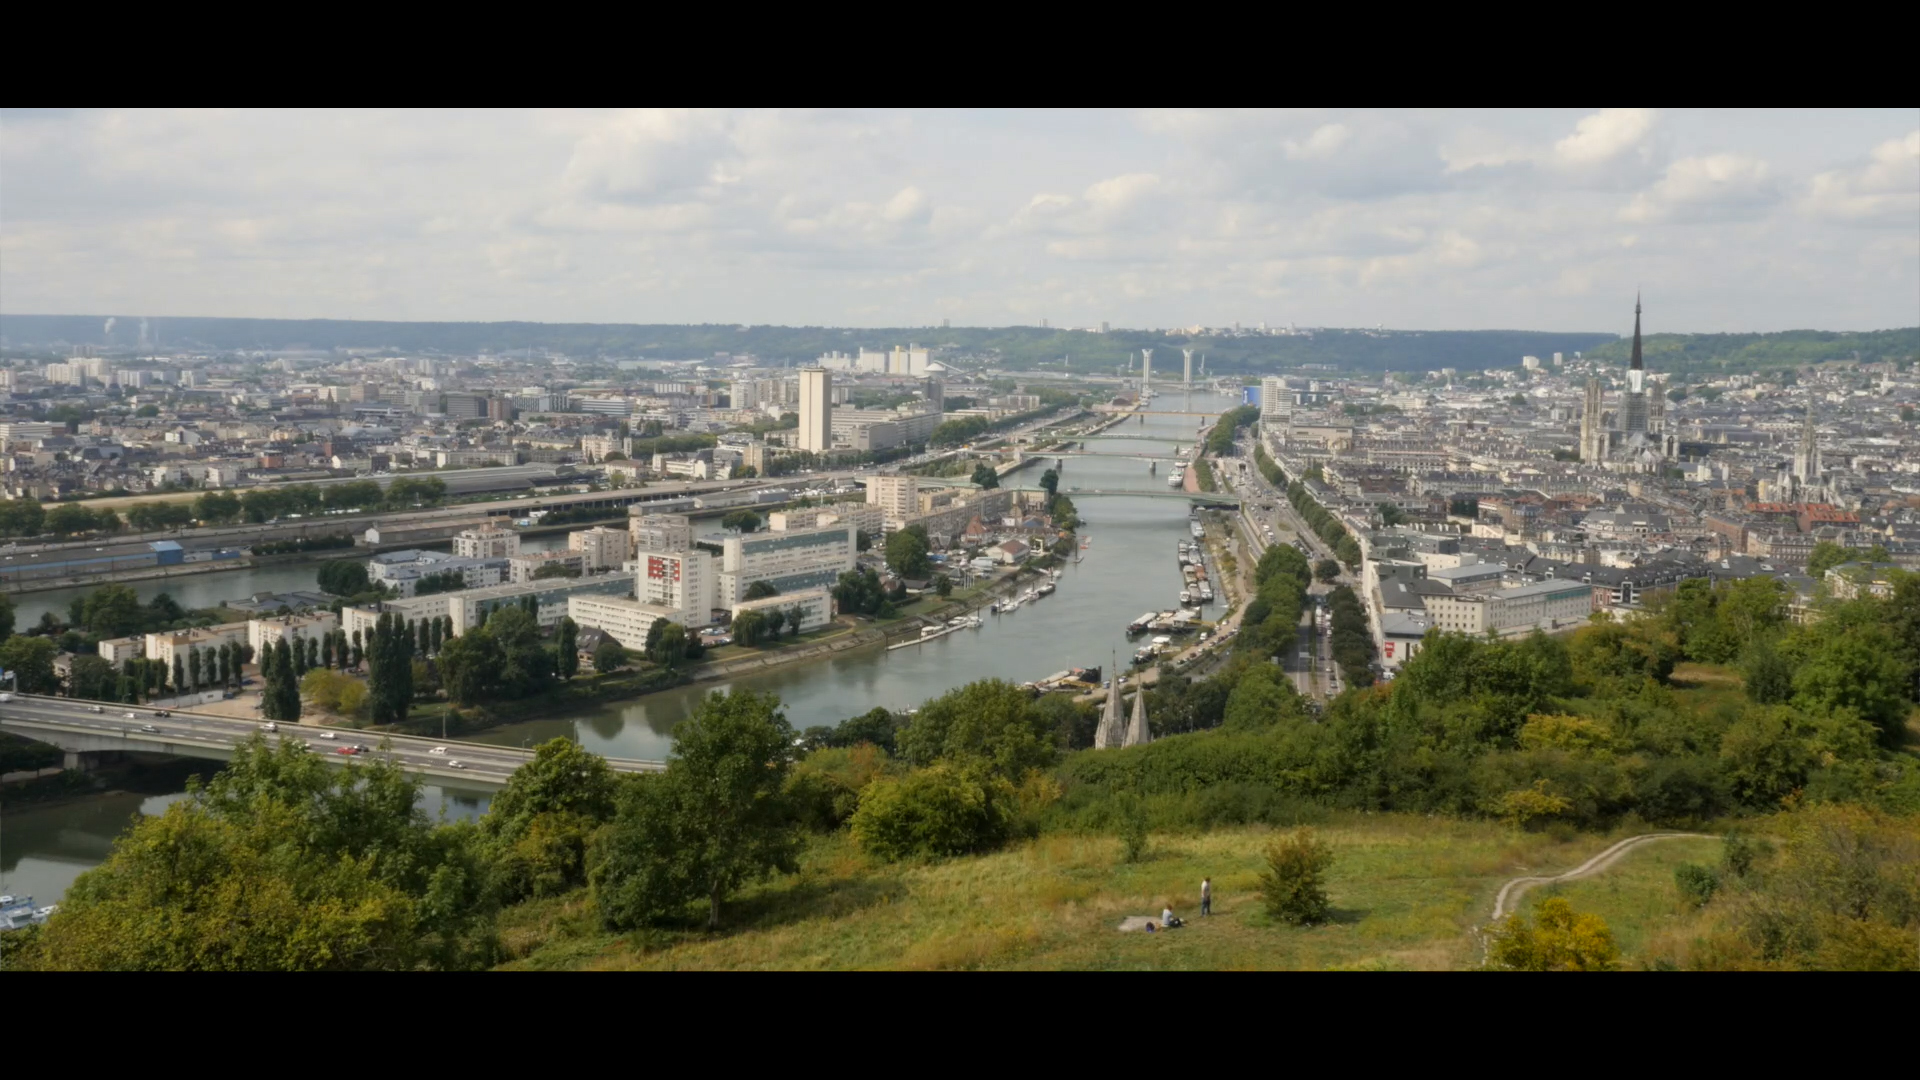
1509 896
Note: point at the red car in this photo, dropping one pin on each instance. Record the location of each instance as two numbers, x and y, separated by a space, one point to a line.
348 750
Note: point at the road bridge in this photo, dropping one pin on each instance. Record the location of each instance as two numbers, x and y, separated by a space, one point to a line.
1182 440
1205 498
76 728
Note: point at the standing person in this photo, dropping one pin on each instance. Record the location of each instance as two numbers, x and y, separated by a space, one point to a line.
1206 896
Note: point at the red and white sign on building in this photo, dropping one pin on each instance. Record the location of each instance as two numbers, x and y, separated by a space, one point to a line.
663 569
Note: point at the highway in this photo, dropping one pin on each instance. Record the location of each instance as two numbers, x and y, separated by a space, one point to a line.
73 723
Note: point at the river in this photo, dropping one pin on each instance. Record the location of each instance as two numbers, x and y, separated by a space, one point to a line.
1128 568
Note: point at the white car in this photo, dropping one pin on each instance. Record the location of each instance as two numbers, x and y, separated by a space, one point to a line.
438 750
326 734
271 726
130 716
455 764
95 708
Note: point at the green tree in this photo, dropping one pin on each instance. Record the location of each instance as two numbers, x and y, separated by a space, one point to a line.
22 517
1860 671
470 666
1326 570
1293 886
608 657
280 863
31 663
745 521
907 553
539 824
344 577
936 812
760 590
991 722
113 611
717 820
556 570
943 585
1826 555
566 648
1769 677
6 616
985 476
669 649
217 507
1050 483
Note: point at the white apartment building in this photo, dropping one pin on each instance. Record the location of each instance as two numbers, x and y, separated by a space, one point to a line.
625 621
1276 401
118 651
684 582
401 571
658 532
595 448
471 607
815 606
522 567
487 542
601 548
165 645
896 496
790 561
290 628
28 431
816 409
1547 605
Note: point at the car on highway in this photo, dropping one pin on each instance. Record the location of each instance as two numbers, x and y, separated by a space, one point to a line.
95 708
455 764
271 726
130 716
348 750
438 750
146 727
326 735
163 712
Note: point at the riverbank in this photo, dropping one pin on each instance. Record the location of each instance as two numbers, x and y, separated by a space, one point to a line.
588 691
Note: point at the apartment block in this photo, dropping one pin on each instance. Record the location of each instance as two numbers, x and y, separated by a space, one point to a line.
291 629
789 561
625 621
601 548
487 542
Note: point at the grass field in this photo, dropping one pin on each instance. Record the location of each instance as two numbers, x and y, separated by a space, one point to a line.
1406 892
1636 896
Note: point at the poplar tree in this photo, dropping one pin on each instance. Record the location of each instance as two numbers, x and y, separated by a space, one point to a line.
179 675
422 633
568 658
326 650
193 667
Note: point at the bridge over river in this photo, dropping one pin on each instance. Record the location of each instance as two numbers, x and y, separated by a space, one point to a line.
75 726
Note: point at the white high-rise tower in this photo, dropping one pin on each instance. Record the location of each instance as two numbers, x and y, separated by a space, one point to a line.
816 409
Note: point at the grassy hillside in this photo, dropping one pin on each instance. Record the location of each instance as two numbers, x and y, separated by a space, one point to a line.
1406 891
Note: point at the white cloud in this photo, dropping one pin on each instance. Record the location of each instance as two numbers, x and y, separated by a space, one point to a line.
1886 190
1605 136
1717 187
1334 217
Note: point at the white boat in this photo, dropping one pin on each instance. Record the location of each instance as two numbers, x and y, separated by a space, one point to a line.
1056 575
1186 597
1047 589
957 621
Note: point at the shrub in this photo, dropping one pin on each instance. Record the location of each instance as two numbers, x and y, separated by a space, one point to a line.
1293 886
934 812
825 785
1697 884
1559 939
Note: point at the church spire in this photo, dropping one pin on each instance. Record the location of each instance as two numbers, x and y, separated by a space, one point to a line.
1635 364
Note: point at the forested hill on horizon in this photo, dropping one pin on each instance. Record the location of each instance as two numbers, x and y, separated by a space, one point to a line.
1017 346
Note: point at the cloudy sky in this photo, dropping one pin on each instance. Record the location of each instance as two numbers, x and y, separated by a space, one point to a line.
1457 220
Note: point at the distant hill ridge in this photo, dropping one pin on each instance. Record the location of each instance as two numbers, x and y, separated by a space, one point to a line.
1346 349
1356 350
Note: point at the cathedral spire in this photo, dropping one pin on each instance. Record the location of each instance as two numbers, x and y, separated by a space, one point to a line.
1635 364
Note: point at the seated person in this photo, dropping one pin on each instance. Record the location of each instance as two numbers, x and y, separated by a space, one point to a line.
1167 919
